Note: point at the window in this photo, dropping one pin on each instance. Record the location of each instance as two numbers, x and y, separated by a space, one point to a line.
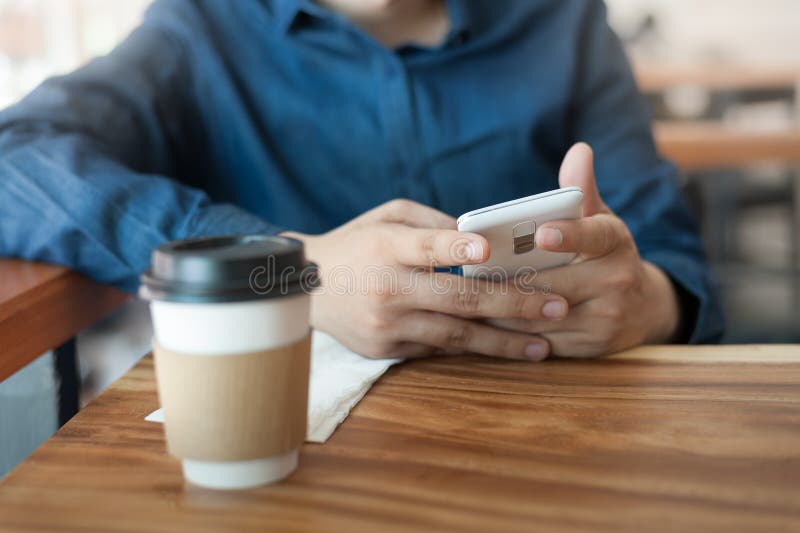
39 38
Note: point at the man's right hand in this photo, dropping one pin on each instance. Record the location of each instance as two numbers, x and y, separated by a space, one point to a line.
381 298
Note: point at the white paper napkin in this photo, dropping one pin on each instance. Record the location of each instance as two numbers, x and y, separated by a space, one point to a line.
339 379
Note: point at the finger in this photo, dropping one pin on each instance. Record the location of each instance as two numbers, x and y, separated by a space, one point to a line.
593 236
575 345
471 298
580 318
577 170
573 337
412 214
534 327
434 247
413 350
576 282
451 333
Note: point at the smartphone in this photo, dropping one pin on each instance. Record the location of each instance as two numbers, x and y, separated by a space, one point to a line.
510 228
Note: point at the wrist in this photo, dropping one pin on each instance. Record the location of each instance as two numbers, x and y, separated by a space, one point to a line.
666 310
308 241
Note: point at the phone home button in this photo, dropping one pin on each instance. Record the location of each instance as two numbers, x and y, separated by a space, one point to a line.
524 237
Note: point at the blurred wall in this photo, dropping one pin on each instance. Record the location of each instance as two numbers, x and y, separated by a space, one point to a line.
744 31
44 37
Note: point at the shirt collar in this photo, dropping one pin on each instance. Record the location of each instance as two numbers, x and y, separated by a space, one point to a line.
466 16
288 12
461 20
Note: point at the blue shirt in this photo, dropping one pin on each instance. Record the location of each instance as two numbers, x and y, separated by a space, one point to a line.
219 117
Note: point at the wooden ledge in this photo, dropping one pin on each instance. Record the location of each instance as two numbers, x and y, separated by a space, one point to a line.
42 306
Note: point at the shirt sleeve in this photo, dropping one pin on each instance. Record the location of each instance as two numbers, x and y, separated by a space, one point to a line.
90 163
610 114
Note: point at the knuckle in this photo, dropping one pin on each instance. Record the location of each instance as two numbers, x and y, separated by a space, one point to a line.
581 346
613 313
375 246
379 298
587 345
608 234
623 279
397 206
604 339
427 246
467 301
380 350
620 233
621 229
601 345
394 210
378 323
505 345
459 336
523 307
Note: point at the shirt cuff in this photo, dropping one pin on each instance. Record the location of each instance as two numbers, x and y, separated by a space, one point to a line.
701 312
226 219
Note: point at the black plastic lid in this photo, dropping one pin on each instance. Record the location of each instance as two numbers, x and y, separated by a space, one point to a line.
228 269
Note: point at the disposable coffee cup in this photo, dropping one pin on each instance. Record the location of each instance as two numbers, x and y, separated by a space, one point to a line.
232 346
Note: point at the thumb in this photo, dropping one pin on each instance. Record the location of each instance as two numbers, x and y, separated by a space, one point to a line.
577 170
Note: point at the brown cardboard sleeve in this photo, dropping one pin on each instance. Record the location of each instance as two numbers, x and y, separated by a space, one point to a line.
234 407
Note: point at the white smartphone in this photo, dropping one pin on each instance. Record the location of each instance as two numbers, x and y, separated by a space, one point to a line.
510 228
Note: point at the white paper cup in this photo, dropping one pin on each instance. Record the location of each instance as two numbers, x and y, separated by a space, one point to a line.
202 327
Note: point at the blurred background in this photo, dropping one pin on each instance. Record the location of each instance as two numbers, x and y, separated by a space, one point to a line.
723 79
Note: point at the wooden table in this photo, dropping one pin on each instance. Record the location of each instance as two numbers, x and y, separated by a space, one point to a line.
704 145
655 77
42 306
658 438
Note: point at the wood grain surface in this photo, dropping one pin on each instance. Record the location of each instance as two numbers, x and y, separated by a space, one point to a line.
655 439
42 306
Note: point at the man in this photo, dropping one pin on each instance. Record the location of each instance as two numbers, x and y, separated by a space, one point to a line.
301 117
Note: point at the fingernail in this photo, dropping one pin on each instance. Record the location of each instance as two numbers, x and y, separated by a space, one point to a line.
474 251
536 351
550 237
554 309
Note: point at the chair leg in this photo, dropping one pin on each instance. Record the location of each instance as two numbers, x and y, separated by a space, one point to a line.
69 390
795 245
717 202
